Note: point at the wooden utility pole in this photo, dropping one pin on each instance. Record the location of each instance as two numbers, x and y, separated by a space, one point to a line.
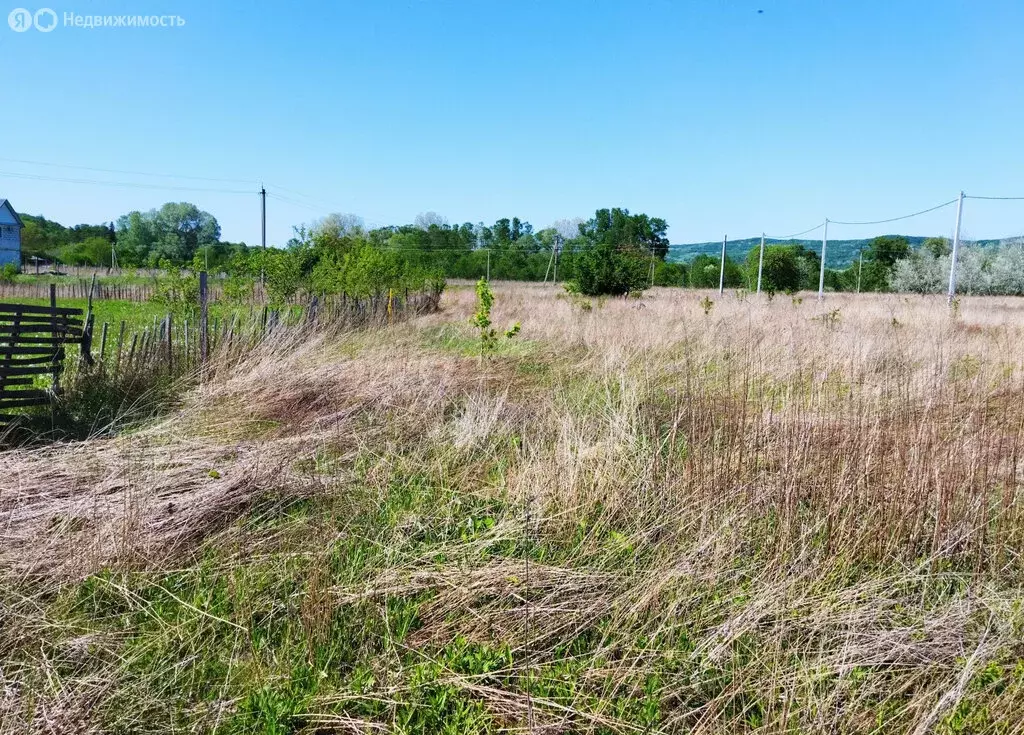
558 246
204 320
263 227
721 273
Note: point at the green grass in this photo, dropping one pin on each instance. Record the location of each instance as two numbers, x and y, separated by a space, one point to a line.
435 544
136 315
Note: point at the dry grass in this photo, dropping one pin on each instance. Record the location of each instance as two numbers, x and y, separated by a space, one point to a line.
777 517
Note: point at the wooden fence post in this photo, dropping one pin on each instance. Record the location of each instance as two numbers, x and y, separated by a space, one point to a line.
53 330
170 346
120 345
204 315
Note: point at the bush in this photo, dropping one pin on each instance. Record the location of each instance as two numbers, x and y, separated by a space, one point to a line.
705 271
670 274
781 271
606 269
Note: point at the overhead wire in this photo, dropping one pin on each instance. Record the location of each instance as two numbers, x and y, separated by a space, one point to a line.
798 234
323 205
895 219
123 184
123 171
1004 199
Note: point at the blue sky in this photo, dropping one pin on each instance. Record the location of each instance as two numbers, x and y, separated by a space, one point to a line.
716 117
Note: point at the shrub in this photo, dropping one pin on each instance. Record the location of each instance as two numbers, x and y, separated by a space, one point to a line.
606 269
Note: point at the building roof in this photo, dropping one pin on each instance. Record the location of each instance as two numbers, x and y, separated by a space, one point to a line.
12 210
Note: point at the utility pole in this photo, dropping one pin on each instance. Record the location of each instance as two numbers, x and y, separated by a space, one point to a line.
488 265
558 246
956 250
821 278
860 267
263 226
551 260
721 274
760 264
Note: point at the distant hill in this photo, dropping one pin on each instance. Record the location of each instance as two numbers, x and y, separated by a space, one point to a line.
841 253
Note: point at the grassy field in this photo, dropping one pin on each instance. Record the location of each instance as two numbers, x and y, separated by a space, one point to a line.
638 516
137 315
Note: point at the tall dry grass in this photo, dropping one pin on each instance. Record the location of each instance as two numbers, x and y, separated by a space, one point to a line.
775 517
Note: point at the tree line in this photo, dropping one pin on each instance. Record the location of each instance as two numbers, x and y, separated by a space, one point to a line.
613 252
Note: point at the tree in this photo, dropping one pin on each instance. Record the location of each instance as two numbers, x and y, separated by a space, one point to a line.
568 228
937 246
338 225
615 251
670 274
619 227
43 238
425 220
705 271
887 249
781 270
173 233
603 268
91 251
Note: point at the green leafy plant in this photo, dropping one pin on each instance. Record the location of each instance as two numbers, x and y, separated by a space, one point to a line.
482 320
8 273
177 291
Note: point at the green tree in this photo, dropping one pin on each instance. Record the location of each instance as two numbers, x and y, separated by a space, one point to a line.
670 274
887 249
619 227
604 268
705 271
781 270
939 247
91 251
173 233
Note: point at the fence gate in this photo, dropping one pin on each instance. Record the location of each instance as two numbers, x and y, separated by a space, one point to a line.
32 342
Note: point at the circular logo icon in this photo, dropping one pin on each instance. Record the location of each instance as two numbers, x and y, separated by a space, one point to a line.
20 20
45 20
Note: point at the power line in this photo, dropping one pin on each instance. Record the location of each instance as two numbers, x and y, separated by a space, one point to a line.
121 171
1004 199
123 184
798 234
896 219
317 209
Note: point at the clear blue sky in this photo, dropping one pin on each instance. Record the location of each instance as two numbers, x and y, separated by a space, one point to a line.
716 117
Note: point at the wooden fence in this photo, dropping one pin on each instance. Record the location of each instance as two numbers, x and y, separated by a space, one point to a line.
32 343
33 338
84 289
